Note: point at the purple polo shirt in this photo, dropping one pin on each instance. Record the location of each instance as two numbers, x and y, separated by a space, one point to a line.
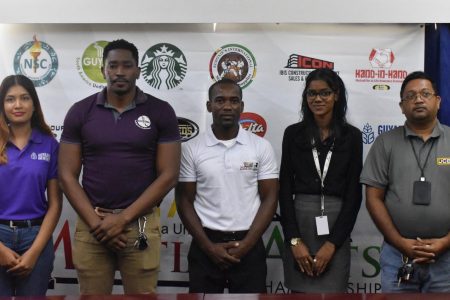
119 150
23 180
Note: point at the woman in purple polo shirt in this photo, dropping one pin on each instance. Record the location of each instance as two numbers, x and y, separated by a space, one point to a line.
28 216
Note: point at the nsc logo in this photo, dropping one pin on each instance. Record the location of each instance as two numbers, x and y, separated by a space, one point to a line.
188 129
254 123
37 60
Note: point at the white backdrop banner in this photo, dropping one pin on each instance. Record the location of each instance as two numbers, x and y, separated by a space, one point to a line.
180 61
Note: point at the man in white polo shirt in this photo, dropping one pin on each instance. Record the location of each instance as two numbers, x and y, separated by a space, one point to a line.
226 198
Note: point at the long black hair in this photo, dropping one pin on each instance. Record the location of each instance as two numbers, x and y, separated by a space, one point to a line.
37 119
340 106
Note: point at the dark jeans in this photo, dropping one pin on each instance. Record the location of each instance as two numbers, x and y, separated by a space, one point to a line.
248 276
35 284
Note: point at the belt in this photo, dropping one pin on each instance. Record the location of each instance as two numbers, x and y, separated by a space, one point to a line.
225 236
22 223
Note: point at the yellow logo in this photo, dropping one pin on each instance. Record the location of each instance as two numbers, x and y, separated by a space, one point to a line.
443 161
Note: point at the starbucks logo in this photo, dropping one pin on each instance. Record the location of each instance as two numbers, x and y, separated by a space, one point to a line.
235 62
163 66
37 60
90 63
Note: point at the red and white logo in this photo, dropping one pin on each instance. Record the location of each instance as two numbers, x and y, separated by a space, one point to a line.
254 123
381 58
381 73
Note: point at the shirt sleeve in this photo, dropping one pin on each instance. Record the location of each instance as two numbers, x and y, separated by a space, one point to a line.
352 196
268 168
53 167
287 175
72 126
168 125
375 170
187 166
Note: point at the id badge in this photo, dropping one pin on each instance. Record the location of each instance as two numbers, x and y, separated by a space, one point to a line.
322 225
422 193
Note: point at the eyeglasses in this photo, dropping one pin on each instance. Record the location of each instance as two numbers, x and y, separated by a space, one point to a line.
424 94
312 94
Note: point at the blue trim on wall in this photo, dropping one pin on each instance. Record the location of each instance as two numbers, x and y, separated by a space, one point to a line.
437 64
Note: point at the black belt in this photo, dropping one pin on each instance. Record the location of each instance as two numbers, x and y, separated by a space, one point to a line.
225 236
22 223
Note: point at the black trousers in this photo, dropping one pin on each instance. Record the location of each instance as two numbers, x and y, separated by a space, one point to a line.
248 276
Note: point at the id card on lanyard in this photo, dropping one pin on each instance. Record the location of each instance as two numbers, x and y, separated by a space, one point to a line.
322 220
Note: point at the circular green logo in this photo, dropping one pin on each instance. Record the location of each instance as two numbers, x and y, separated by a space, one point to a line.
37 60
92 60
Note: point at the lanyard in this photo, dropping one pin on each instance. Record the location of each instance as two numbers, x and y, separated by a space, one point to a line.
323 174
422 175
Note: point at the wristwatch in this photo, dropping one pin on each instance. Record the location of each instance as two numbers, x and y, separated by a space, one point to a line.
296 241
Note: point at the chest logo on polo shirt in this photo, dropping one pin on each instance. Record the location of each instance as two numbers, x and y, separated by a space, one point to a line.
40 156
443 161
143 122
249 166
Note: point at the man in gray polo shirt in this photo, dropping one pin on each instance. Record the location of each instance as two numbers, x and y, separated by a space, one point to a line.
407 177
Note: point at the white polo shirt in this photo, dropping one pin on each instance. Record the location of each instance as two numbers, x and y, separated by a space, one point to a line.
227 197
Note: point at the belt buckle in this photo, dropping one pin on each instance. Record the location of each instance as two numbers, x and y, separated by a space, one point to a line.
11 224
229 236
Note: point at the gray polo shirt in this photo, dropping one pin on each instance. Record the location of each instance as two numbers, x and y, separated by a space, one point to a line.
392 166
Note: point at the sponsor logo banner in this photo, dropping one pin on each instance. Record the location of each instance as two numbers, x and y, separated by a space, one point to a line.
90 63
235 62
254 123
299 66
188 129
381 60
164 66
37 60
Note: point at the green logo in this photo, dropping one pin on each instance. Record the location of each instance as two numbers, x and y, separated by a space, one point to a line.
90 63
37 60
163 66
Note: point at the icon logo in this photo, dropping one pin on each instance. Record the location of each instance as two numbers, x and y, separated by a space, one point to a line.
381 58
90 63
37 60
143 122
297 61
188 129
368 136
164 66
254 123
299 66
235 62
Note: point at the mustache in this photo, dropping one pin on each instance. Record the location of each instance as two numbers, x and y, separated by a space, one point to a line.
120 80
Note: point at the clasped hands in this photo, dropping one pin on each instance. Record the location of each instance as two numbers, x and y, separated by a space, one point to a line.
225 254
111 231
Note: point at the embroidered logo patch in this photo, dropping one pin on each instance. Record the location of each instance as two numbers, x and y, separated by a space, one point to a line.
249 166
40 156
443 161
143 122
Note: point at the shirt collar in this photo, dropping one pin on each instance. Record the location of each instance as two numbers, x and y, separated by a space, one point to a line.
211 139
437 130
138 99
35 137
